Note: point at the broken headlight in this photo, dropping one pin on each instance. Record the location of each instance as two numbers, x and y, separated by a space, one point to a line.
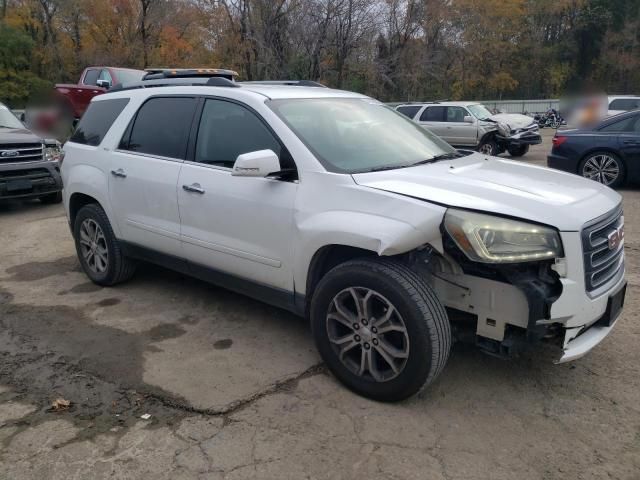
489 239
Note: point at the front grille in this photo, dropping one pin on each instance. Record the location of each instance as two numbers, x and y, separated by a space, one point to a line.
20 152
603 248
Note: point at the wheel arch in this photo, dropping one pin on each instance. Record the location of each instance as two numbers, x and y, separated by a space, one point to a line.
593 150
86 184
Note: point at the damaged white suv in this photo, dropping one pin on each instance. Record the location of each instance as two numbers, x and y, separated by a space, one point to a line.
333 206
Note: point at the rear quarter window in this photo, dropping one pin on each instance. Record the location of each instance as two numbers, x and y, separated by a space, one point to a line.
624 104
409 111
97 120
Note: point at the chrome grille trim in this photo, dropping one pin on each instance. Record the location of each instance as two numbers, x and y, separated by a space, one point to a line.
601 264
18 153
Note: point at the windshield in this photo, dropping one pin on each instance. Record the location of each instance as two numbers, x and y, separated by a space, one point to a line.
479 111
129 76
350 135
8 119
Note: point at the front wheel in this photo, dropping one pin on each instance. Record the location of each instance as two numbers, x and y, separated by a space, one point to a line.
604 167
518 151
380 328
488 147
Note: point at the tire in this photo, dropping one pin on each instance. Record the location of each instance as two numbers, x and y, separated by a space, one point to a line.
518 151
604 167
488 147
105 270
421 350
51 198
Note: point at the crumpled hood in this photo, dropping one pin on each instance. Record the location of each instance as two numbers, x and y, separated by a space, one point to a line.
514 120
17 135
495 185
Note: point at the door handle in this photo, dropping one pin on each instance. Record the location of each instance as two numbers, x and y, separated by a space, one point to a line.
194 187
119 173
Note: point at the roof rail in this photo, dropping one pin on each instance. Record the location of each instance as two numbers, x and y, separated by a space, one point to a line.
157 73
177 82
292 83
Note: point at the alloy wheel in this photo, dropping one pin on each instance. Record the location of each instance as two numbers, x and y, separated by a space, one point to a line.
486 149
93 246
602 168
368 334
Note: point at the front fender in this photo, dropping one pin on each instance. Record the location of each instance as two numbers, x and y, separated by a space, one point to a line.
382 235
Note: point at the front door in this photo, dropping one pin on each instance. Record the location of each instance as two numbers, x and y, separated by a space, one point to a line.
237 225
144 174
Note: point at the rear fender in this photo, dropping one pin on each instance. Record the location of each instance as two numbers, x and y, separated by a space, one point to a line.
91 181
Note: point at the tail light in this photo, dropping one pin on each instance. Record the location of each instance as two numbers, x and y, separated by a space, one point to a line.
558 140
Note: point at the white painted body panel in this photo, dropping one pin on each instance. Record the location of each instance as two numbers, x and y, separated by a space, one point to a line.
268 231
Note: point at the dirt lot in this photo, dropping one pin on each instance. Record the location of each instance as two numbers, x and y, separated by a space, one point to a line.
235 389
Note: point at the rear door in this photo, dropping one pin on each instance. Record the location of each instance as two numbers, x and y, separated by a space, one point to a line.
237 225
433 117
144 173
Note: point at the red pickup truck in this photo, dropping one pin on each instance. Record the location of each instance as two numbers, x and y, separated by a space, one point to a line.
94 80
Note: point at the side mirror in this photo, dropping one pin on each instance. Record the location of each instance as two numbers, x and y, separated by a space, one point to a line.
468 119
256 164
103 83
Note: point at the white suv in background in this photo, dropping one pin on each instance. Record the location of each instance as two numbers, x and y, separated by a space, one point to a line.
471 124
333 206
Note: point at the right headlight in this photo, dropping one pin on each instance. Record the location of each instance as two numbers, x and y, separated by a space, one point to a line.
489 239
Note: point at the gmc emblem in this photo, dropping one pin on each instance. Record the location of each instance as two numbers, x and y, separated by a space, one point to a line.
616 237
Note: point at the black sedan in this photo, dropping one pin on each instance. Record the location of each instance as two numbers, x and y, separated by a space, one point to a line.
608 152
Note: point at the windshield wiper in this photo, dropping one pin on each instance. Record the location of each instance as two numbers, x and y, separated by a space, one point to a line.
437 158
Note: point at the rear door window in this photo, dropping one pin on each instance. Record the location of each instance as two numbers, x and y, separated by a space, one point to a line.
161 127
433 114
97 120
624 104
409 110
628 124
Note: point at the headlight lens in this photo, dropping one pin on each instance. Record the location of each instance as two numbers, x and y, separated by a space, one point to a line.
52 151
489 239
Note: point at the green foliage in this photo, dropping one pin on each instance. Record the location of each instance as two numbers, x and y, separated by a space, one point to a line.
17 83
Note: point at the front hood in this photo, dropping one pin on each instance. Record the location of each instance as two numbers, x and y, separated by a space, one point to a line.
514 120
494 185
17 135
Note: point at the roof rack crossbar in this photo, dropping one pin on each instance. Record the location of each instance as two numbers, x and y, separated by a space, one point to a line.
292 83
157 73
177 82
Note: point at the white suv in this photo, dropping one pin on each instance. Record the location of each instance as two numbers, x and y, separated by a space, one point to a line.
333 206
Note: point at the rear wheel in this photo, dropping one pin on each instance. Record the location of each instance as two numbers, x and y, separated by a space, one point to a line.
380 328
98 248
518 151
604 167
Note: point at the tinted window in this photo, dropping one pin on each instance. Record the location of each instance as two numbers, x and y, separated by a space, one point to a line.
91 77
629 124
410 110
97 120
624 104
433 114
456 114
161 127
228 130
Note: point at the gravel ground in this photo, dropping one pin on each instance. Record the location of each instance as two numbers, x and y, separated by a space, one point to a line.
234 389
